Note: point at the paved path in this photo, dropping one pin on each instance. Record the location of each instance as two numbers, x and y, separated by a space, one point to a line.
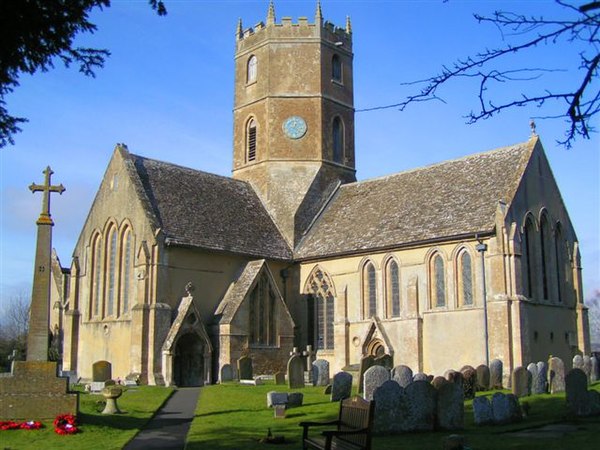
169 428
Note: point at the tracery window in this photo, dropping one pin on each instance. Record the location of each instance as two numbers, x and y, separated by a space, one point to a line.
111 277
545 255
251 140
96 278
392 280
338 140
527 259
321 290
465 272
262 315
252 69
369 290
437 281
336 68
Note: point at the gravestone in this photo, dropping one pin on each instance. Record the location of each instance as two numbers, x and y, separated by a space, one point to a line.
521 384
279 378
577 362
438 382
587 367
420 376
245 371
542 377
496 374
463 368
341 387
101 371
320 372
295 399
514 408
366 363
469 382
556 375
594 369
390 403
532 368
327 390
454 377
482 411
594 399
295 370
500 409
450 407
276 398
578 400
421 399
375 376
483 377
310 356
384 361
226 373
402 375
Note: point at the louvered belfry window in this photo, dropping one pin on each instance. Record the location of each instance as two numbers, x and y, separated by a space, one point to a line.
251 140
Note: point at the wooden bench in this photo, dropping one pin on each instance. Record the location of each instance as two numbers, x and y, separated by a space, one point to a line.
353 428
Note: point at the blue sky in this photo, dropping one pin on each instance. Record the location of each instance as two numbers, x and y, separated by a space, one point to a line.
167 92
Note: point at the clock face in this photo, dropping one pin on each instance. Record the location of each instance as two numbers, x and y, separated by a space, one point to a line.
294 127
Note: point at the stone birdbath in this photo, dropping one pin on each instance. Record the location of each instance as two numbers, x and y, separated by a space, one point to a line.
111 394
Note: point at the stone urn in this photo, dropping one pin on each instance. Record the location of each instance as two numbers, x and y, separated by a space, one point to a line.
111 394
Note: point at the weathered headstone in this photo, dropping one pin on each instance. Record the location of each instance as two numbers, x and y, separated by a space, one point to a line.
226 373
245 371
454 377
327 390
320 372
463 368
520 383
500 408
403 375
390 402
594 399
469 382
438 382
366 363
450 407
577 362
420 376
310 356
578 400
341 387
276 398
594 369
101 371
295 399
421 398
483 377
532 368
542 377
384 361
556 375
295 370
496 374
482 411
375 376
514 408
587 367
279 378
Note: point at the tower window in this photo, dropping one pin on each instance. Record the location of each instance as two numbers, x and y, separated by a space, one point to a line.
251 141
338 140
336 69
251 69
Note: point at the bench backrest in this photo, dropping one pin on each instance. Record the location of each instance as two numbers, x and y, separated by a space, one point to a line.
356 413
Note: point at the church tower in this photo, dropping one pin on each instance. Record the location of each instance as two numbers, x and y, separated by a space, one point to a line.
294 115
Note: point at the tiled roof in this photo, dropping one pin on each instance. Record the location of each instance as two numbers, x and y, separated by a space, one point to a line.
453 198
207 211
238 290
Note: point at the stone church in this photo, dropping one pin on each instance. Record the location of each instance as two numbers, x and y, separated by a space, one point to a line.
179 272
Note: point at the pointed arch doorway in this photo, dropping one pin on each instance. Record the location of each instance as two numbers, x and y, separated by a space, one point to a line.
188 364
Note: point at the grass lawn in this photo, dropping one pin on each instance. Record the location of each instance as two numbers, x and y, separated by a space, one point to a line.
233 416
96 430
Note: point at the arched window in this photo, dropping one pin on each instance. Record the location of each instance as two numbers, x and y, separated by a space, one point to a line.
527 257
126 268
337 135
96 278
369 291
545 255
465 282
321 290
392 280
111 275
437 279
251 140
562 264
262 314
252 69
336 68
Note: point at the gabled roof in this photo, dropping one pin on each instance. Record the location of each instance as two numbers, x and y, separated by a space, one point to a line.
453 198
202 210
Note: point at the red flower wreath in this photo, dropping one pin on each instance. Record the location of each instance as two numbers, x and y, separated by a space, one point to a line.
9 425
65 424
30 425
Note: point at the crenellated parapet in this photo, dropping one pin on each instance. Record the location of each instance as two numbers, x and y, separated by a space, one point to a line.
287 28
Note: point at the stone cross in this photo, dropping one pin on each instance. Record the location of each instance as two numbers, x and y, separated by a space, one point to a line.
37 339
295 352
310 356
